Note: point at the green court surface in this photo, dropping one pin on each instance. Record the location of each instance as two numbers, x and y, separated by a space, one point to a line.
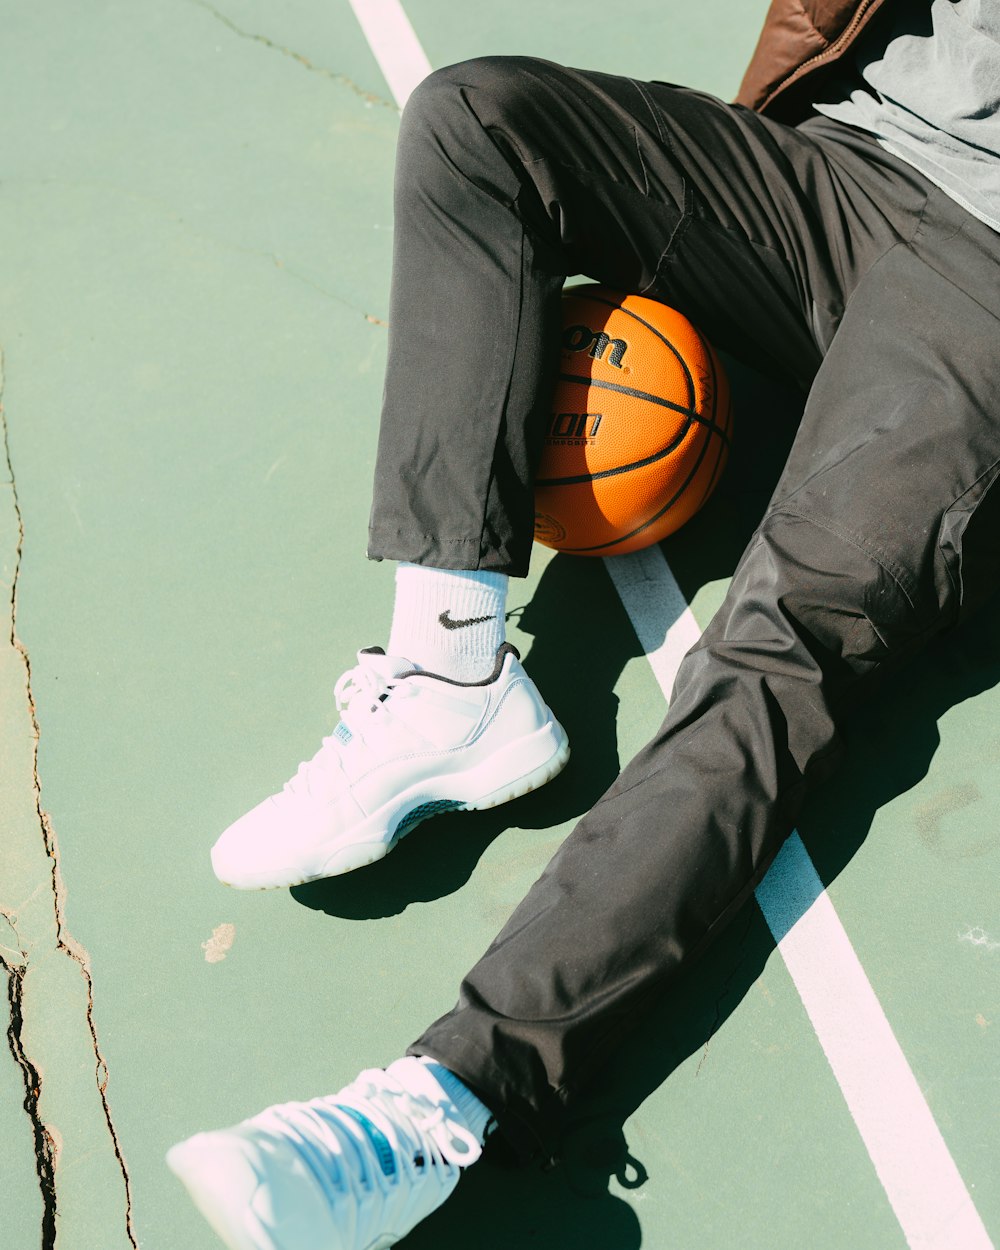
195 213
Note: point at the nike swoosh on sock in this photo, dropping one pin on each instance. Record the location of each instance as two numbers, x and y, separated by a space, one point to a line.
446 620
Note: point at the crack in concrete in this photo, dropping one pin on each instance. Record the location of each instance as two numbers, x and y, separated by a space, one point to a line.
341 79
295 275
283 266
45 1150
11 919
280 264
224 244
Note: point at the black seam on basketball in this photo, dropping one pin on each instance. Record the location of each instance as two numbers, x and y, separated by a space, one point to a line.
713 479
726 430
614 542
715 407
632 393
622 468
691 416
581 293
598 299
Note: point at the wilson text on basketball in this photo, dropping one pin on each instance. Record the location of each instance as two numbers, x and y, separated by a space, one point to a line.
581 338
573 427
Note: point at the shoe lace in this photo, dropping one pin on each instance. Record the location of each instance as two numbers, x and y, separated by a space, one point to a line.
361 696
424 1142
362 691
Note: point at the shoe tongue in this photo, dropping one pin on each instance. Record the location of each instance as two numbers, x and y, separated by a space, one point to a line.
380 1143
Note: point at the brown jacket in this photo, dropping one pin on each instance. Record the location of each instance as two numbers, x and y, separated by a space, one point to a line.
801 39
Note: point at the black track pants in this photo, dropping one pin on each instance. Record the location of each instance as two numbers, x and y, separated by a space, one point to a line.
808 251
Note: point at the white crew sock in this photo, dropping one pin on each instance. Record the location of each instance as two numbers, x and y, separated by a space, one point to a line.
477 1116
448 622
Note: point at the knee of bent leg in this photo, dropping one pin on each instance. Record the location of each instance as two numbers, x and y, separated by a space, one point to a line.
824 594
463 119
495 83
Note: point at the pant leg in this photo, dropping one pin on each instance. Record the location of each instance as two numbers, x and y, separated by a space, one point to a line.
884 528
513 173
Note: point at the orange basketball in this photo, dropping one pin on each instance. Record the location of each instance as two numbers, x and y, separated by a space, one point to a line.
639 429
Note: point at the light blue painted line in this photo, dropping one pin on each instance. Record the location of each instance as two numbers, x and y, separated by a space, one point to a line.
790 888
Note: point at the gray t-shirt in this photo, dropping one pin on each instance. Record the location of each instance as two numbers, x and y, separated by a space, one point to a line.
929 90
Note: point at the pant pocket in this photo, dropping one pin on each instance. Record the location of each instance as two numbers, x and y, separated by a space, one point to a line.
969 541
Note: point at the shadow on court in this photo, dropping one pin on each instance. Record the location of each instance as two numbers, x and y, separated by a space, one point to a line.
889 750
582 640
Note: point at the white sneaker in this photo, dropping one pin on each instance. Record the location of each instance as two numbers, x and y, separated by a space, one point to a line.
355 1171
409 745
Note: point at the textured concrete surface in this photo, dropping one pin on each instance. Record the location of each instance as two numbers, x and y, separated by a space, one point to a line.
195 205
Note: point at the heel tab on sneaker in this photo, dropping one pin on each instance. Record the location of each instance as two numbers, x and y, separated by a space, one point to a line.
505 650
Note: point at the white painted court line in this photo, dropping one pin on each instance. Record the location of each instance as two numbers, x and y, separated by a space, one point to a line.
661 618
393 40
919 1176
911 1159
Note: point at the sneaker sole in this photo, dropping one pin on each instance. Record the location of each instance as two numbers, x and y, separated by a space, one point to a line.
453 792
